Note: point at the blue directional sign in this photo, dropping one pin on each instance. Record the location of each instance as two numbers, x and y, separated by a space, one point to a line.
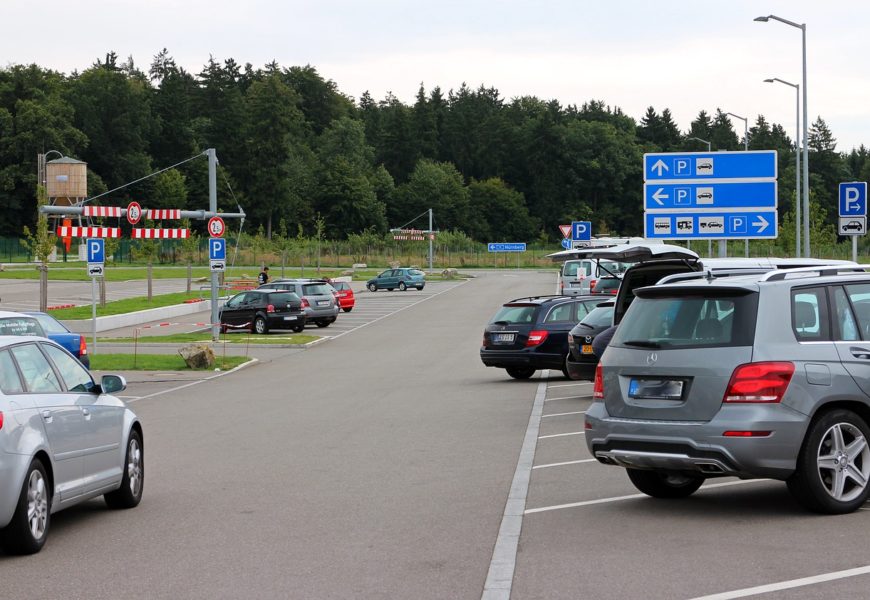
96 250
757 164
709 196
566 244
581 231
721 225
510 247
853 199
217 249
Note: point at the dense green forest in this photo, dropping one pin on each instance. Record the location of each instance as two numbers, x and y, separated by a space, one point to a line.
295 150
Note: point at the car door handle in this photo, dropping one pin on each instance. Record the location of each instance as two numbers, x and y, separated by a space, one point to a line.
86 413
47 417
859 352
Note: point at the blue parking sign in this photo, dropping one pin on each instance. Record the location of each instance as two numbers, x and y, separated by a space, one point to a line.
581 231
96 250
853 199
217 249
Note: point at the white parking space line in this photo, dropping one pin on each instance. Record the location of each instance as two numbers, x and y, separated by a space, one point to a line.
555 435
562 464
568 398
500 577
561 385
579 412
787 585
629 497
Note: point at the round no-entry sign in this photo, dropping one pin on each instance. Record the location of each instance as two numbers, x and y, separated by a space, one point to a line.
134 213
216 227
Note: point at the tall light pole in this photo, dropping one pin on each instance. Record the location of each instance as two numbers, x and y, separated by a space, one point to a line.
700 140
797 163
803 28
745 148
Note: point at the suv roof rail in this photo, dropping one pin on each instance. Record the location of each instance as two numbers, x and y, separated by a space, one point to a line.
542 297
820 271
711 274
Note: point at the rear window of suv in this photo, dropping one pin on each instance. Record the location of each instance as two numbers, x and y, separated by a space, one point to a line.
283 298
516 314
316 289
689 321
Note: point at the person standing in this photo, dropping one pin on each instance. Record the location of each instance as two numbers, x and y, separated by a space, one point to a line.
263 277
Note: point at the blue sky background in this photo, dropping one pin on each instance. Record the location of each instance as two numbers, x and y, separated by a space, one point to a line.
681 55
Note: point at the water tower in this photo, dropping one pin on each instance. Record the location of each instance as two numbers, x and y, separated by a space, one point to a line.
66 184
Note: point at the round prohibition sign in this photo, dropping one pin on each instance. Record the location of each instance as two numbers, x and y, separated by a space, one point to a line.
216 227
134 213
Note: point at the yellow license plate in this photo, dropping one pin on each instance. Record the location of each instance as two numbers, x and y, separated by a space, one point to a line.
587 349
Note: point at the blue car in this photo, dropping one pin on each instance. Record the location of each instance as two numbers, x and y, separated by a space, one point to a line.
397 278
57 332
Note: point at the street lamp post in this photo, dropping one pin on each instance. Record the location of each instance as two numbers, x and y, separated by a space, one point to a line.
745 148
709 149
803 28
797 163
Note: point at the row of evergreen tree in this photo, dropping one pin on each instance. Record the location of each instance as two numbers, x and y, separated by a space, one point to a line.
293 148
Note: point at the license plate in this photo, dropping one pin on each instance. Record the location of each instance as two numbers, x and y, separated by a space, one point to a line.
503 338
289 318
656 389
323 303
587 349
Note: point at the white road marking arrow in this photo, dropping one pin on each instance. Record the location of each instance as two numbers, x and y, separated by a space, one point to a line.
659 195
761 223
659 165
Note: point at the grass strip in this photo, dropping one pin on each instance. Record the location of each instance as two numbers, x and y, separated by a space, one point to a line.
155 362
233 338
127 305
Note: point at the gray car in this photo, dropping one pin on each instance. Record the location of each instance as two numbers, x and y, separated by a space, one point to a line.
319 302
762 375
64 439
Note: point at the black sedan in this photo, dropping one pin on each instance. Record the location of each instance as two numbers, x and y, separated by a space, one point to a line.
580 363
262 310
528 334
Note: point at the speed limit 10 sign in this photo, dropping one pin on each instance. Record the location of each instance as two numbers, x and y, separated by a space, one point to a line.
216 227
134 213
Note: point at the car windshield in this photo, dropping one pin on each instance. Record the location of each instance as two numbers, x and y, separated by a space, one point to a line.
607 283
20 326
50 324
340 286
688 321
415 272
600 316
283 298
571 268
316 289
514 314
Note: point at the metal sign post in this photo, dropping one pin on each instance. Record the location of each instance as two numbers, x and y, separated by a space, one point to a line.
96 248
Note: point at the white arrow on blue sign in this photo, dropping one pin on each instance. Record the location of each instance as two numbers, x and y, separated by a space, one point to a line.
566 244
96 250
581 231
217 249
754 164
722 225
709 196
510 247
853 199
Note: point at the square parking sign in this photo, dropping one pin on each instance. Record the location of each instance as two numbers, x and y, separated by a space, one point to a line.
853 199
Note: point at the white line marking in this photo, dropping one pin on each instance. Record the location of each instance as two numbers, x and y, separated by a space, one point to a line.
579 412
500 577
787 585
198 381
568 398
629 497
562 464
561 385
555 435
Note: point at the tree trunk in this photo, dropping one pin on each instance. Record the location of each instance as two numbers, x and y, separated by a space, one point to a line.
103 291
150 267
43 288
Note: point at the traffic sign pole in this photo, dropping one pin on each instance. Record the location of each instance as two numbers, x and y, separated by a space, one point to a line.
212 206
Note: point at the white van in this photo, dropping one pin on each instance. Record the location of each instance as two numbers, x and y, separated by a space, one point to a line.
578 277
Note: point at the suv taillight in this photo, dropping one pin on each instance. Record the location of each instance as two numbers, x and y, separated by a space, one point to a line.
592 285
305 303
83 346
270 308
759 382
1 419
536 338
598 386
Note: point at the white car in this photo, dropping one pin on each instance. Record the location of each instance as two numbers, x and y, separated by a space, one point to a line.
64 439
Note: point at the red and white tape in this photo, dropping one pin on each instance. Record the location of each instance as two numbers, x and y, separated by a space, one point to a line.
153 234
100 232
102 211
158 214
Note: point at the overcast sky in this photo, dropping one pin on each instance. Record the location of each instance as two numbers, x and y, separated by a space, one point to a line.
682 55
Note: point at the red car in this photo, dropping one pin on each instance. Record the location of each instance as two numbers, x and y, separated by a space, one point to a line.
344 295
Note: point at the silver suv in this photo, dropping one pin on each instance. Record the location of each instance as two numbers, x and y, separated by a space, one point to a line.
318 298
762 375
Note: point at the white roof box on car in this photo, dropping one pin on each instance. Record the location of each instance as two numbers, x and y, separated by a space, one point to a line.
628 253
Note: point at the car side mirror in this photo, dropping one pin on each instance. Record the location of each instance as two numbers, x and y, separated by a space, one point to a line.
111 384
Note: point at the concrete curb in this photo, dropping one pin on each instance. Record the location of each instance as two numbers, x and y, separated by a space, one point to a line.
137 318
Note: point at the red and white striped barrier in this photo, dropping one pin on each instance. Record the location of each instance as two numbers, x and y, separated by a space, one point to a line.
102 211
89 232
154 234
226 325
158 214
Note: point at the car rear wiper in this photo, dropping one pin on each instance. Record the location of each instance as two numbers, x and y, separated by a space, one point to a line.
587 325
643 343
501 322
